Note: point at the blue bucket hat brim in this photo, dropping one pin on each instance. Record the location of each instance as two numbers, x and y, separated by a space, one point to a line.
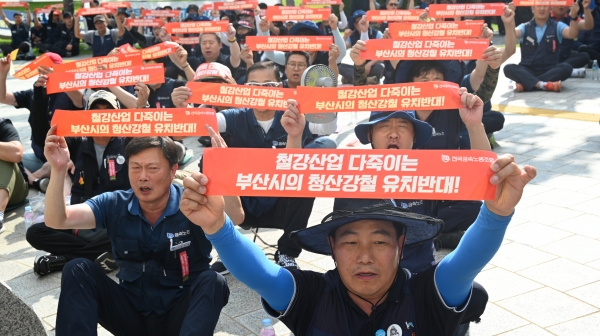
357 13
305 25
423 131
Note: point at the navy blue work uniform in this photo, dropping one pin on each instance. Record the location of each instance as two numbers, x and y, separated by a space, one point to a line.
419 257
161 97
38 33
165 285
19 37
540 56
577 60
321 306
290 214
347 71
447 126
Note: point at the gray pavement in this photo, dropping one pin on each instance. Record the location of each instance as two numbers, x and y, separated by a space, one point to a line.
544 280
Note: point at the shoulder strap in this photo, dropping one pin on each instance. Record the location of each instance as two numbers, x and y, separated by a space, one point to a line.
88 176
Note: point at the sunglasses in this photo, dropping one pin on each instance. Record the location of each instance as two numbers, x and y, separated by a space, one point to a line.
266 84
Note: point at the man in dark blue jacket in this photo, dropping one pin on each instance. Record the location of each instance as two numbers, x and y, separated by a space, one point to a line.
540 40
19 35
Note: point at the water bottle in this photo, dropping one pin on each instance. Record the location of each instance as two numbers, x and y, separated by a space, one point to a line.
595 70
511 88
28 217
267 328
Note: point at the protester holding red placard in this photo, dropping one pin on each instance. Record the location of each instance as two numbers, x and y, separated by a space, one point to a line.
19 36
210 47
253 128
130 34
307 28
342 24
577 59
368 290
541 40
102 40
67 44
98 166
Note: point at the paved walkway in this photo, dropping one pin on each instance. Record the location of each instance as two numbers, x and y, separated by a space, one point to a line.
544 280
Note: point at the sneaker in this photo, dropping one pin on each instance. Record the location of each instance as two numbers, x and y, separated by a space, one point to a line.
448 240
46 264
41 184
2 228
554 86
219 267
107 262
520 87
578 73
285 261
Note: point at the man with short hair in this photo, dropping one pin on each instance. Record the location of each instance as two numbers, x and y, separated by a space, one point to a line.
13 181
210 47
165 285
368 290
295 64
567 54
19 35
102 40
540 40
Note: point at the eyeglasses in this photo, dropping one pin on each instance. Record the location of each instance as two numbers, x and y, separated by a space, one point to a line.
297 65
266 84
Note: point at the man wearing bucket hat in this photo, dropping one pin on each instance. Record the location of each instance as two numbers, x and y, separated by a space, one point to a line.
368 290
362 32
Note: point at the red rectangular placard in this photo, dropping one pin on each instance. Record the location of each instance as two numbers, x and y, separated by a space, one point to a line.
289 43
401 30
528 3
474 9
425 49
71 81
196 27
215 94
160 13
117 61
279 13
345 173
390 97
394 15
144 23
135 122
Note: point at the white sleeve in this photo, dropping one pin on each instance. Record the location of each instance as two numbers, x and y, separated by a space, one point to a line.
339 42
222 122
323 129
364 36
224 39
343 22
275 56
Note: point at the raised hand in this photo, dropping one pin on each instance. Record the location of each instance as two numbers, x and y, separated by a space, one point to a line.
472 111
292 120
510 181
56 150
208 212
355 52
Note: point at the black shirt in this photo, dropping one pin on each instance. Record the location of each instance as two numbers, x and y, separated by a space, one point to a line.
223 59
161 97
433 317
